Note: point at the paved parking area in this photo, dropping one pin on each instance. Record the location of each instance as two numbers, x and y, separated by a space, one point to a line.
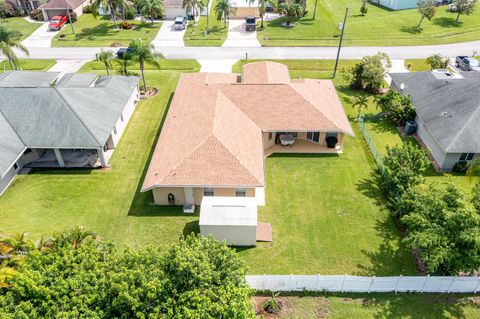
168 36
239 37
41 38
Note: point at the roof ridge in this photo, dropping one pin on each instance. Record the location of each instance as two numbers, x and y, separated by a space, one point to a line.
13 129
77 115
463 128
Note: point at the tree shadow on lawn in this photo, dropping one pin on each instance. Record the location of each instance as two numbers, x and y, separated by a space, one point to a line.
191 228
445 22
411 29
62 171
102 30
143 204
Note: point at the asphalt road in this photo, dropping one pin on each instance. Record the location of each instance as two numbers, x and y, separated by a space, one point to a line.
206 53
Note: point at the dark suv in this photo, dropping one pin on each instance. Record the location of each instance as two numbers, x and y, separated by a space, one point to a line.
251 23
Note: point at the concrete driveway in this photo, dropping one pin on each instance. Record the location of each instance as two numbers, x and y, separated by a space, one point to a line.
67 66
168 36
239 37
41 38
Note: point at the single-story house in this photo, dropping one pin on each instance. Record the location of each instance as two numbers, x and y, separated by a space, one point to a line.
220 128
397 4
26 6
50 120
448 113
57 8
174 8
245 8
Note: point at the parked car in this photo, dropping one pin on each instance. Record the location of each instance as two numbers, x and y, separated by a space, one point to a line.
122 51
250 23
467 63
57 22
180 23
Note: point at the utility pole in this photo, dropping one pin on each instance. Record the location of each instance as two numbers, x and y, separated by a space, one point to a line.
69 17
340 43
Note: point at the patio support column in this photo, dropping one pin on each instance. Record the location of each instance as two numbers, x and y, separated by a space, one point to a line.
58 155
101 156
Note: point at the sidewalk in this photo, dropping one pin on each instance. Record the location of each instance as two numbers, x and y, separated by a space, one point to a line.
40 38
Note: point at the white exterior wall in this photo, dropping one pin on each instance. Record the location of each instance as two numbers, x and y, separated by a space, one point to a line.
234 235
172 12
397 4
127 114
432 145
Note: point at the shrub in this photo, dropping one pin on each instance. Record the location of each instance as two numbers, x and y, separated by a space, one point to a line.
129 13
73 16
460 167
87 9
272 305
37 14
369 74
363 8
6 10
396 107
126 25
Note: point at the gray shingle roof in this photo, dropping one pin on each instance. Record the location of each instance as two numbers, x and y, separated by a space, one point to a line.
71 114
26 79
450 108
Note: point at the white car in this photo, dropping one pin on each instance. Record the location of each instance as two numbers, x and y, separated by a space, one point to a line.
180 23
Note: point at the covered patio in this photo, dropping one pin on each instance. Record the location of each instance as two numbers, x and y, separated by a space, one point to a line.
302 146
71 159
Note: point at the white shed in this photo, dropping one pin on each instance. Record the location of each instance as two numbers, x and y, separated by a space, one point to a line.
233 219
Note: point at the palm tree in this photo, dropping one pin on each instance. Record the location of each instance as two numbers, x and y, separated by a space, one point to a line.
74 237
10 39
143 52
226 8
111 5
193 5
262 9
151 9
123 64
437 61
290 10
106 57
360 103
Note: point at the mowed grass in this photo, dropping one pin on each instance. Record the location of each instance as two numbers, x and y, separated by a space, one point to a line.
326 213
20 24
217 32
100 32
417 65
380 26
379 306
29 64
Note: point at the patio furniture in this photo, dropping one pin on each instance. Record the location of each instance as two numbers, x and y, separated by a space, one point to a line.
331 141
287 139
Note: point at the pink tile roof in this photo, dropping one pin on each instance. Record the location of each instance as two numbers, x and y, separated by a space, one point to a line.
212 132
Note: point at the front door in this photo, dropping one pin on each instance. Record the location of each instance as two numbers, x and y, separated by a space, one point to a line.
313 136
188 191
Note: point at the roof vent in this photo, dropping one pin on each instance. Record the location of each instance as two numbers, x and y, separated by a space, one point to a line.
442 74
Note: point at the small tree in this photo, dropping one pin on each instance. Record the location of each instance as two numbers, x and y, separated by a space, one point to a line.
10 40
444 228
404 165
291 10
370 72
361 102
6 9
143 52
193 5
396 108
151 9
123 64
437 61
464 7
106 57
225 8
110 5
476 196
363 8
427 10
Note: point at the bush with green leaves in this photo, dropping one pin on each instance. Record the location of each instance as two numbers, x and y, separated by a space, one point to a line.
369 74
437 61
476 196
363 8
194 278
444 227
36 14
460 167
396 108
6 9
404 166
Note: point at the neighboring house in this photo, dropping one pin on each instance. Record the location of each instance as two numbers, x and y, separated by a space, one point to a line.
49 120
397 4
174 8
245 8
26 5
220 127
448 113
58 8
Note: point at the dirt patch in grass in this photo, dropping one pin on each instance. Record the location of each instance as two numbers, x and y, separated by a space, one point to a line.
291 306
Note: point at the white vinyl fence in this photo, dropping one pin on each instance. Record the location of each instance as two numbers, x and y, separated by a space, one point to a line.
364 284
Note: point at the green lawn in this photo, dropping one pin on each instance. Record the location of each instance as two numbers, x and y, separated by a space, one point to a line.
379 27
29 64
100 32
379 306
217 33
418 65
313 202
20 24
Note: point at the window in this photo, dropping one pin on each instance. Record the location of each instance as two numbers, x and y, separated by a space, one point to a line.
466 156
313 136
240 192
115 130
270 136
15 166
331 135
208 191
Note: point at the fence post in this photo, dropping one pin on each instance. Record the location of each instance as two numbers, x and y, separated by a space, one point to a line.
398 283
263 281
316 283
478 285
451 284
424 283
371 284
291 282
343 282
